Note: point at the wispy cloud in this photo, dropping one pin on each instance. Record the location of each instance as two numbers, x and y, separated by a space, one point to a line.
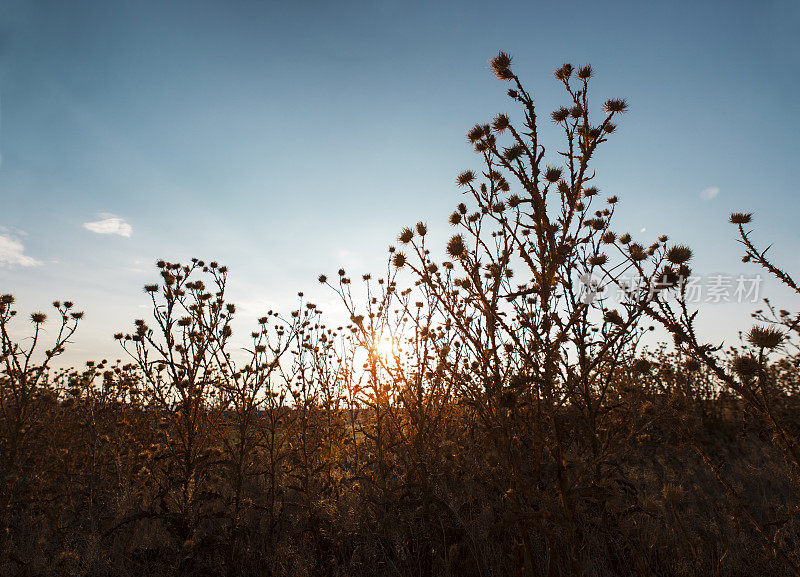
709 193
12 253
110 225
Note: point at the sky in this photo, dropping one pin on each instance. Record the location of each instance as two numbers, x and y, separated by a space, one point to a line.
287 139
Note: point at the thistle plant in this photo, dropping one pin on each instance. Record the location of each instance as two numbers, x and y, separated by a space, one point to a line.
524 287
26 396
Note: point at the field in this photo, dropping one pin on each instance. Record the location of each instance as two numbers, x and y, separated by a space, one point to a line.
484 413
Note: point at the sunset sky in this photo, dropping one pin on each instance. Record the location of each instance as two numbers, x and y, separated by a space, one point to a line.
287 139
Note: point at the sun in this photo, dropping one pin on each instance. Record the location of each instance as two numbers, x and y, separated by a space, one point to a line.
384 347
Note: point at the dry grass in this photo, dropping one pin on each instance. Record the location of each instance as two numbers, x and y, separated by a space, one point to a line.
485 414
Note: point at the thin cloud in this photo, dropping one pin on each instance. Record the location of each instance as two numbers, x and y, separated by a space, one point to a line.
709 193
110 225
12 253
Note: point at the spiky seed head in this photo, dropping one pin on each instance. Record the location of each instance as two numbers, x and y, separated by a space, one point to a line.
512 153
552 174
615 105
38 318
150 288
609 237
7 299
590 191
637 252
399 260
341 272
663 238
161 264
576 111
455 218
564 72
560 115
612 200
514 201
667 278
599 224
455 247
746 366
322 279
765 337
475 133
465 178
422 229
679 254
77 315
501 123
585 72
501 66
462 208
609 127
741 217
406 235
598 259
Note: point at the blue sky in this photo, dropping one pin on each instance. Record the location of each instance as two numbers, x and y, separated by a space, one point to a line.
288 139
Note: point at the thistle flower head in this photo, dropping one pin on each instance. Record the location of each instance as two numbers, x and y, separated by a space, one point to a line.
150 288
679 254
564 72
741 217
322 279
406 235
476 133
422 229
765 337
598 259
455 247
465 178
512 153
585 72
560 115
399 260
455 218
746 366
501 122
615 105
552 174
667 277
501 66
38 318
